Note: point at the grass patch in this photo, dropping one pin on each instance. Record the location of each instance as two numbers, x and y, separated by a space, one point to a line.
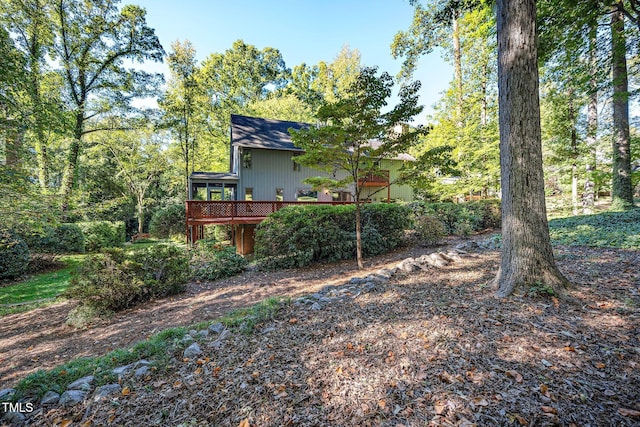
159 349
41 286
246 319
609 229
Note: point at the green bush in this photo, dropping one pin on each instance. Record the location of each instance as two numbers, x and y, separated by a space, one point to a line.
14 255
429 230
462 218
63 238
212 265
102 234
116 280
299 235
168 222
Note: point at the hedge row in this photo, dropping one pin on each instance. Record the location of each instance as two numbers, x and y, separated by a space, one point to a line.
300 235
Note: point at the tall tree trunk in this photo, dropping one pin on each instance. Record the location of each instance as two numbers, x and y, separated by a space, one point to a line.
588 201
527 257
622 191
574 155
457 65
69 175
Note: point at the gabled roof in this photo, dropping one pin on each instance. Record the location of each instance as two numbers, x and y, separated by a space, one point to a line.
254 132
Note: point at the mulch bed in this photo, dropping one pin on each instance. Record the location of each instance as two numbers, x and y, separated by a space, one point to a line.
430 348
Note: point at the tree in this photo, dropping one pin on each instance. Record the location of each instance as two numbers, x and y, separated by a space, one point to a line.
526 258
622 190
141 160
234 79
355 135
93 40
183 103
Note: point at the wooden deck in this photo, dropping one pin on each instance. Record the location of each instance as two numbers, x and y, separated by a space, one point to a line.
201 213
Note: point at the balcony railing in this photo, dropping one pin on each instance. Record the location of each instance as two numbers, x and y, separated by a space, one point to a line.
377 179
229 212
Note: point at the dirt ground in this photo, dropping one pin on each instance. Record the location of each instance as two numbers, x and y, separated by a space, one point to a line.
40 339
430 348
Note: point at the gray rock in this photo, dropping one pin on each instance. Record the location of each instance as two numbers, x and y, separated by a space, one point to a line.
106 390
216 328
84 383
193 333
50 398
316 306
268 330
142 362
72 397
14 417
192 351
369 286
7 393
187 339
121 371
203 333
357 280
141 371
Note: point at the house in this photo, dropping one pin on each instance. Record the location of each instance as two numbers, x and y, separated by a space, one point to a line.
263 177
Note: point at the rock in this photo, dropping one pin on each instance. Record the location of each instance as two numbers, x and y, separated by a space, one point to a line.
72 397
268 330
142 362
14 417
193 333
369 286
216 328
204 333
187 339
141 371
7 393
106 390
121 371
408 265
357 280
84 383
50 398
192 351
316 306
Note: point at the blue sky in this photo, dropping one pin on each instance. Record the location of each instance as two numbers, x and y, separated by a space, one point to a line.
303 30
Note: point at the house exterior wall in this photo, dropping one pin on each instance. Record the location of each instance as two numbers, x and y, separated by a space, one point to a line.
274 169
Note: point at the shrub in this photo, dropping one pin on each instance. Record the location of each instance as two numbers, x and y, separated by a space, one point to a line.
299 235
63 238
462 218
168 222
102 234
116 280
14 255
430 230
212 265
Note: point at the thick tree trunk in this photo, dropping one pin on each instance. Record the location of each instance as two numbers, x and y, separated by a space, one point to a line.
527 258
622 191
588 200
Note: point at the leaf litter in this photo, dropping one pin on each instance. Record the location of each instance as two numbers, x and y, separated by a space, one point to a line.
432 348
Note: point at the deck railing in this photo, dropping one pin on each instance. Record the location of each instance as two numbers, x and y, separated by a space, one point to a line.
377 179
201 210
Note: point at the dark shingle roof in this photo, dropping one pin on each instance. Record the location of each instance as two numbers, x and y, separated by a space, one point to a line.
254 132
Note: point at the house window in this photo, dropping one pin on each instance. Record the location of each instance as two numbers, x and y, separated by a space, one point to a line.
279 194
296 165
246 158
248 193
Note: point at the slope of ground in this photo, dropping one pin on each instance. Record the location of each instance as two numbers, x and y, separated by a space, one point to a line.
428 348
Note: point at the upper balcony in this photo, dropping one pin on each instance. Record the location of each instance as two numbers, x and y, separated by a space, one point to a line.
377 179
